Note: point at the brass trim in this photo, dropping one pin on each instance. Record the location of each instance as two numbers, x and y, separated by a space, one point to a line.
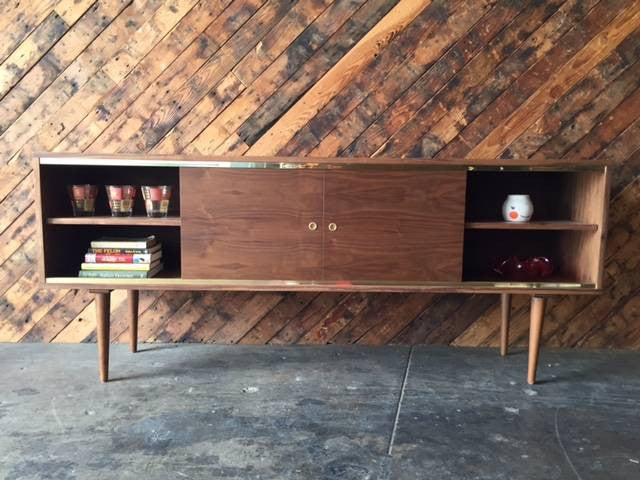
137 162
332 227
534 168
320 284
313 226
310 165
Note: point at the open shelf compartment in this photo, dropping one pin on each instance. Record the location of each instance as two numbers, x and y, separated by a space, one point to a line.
66 246
56 206
66 238
484 249
566 225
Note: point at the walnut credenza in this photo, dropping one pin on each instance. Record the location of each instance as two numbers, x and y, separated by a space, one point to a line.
332 224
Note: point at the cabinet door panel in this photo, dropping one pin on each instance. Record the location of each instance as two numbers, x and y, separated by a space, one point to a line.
251 224
394 225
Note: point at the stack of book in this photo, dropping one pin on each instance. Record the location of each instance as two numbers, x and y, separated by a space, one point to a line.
122 258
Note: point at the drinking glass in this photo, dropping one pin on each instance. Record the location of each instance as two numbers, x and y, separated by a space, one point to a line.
156 199
121 198
83 199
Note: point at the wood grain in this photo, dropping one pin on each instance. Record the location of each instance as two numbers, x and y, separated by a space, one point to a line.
403 226
251 224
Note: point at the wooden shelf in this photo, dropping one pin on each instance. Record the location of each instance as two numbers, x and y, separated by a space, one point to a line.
554 279
172 221
548 225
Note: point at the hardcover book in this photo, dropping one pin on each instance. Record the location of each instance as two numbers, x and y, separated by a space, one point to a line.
119 242
120 266
119 273
127 258
141 251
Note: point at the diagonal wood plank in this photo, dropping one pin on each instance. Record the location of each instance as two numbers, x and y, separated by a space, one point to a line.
559 124
587 58
82 34
31 50
469 79
398 67
329 85
231 76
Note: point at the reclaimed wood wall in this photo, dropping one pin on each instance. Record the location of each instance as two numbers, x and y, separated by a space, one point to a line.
476 78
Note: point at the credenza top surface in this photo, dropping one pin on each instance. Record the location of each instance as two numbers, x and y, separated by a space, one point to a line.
310 162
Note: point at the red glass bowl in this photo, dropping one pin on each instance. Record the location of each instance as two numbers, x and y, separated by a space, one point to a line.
529 269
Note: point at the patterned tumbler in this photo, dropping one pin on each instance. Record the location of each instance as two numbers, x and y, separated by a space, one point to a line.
121 198
83 199
156 199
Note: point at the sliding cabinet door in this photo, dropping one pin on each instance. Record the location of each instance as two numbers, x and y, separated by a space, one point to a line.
394 225
251 224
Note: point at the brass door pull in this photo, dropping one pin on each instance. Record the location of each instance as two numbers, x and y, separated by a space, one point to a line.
333 227
313 226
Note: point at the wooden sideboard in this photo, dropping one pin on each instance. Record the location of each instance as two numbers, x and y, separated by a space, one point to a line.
332 224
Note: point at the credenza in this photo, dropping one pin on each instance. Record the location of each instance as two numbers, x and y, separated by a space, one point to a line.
332 224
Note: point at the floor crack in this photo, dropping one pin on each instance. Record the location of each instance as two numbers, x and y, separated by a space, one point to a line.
400 398
564 450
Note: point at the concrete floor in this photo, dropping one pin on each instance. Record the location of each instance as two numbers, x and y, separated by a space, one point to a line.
204 411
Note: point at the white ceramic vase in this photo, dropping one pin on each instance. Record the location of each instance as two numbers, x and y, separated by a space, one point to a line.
517 208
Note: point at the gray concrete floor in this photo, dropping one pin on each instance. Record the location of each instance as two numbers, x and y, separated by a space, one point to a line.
205 411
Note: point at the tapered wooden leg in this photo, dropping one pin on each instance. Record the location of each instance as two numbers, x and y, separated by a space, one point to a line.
535 330
132 300
102 320
505 300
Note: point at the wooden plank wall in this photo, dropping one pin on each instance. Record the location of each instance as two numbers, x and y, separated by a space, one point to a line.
477 78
